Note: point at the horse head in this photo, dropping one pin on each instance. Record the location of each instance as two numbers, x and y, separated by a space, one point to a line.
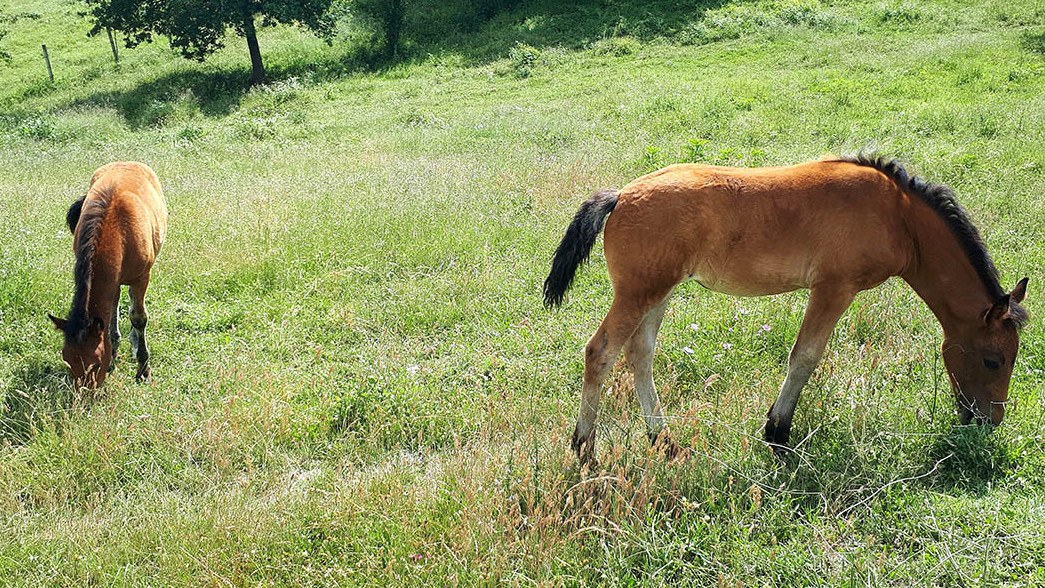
87 352
980 355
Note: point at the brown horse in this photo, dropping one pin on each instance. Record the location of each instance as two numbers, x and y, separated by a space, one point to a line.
834 226
118 228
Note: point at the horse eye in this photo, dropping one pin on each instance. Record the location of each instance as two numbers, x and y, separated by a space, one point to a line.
991 364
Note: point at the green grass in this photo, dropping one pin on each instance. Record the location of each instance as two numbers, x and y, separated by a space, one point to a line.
355 381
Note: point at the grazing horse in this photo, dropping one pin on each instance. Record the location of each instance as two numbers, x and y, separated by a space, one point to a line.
835 226
118 228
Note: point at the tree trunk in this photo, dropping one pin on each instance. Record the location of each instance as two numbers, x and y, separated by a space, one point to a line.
394 14
257 68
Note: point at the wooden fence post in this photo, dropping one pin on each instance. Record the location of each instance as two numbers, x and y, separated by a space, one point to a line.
47 59
112 44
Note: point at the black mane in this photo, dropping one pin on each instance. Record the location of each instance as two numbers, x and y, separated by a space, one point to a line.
90 215
940 198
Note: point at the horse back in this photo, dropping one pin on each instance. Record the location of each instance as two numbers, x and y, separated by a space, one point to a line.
135 224
757 231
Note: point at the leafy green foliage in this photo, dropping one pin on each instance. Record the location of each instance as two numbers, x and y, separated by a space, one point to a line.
389 15
198 29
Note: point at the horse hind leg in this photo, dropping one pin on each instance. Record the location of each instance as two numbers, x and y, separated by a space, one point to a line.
825 307
600 353
139 319
639 351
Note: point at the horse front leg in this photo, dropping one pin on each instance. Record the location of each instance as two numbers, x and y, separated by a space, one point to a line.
825 307
114 328
139 319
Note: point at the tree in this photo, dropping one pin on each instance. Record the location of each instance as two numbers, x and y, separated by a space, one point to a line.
388 15
197 28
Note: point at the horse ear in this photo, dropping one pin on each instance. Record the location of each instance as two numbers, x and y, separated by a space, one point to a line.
1019 291
59 324
998 311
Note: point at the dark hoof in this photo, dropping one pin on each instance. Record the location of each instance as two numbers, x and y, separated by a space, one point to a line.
777 433
585 449
144 374
664 443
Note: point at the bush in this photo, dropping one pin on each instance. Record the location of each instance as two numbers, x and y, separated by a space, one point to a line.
523 59
616 46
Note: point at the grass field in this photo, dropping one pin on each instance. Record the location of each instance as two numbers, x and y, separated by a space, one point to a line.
355 382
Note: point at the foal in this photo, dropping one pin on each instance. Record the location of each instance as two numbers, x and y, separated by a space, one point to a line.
835 227
118 228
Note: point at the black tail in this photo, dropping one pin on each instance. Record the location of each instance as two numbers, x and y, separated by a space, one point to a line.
577 243
73 215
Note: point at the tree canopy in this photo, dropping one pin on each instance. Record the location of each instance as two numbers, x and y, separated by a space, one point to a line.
197 28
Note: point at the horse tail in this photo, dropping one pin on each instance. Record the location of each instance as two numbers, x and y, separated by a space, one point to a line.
577 243
72 216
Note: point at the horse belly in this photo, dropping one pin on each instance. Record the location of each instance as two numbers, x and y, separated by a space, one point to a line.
762 277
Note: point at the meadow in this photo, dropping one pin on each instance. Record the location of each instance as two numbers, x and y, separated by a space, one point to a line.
355 381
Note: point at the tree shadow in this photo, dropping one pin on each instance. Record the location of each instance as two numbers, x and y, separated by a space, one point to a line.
1033 42
571 25
433 29
38 393
216 93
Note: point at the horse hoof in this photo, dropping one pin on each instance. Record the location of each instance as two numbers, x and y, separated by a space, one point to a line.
584 448
144 375
776 435
664 443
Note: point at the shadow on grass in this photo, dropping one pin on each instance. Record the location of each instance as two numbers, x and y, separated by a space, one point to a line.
970 459
217 94
572 25
432 29
1034 42
38 393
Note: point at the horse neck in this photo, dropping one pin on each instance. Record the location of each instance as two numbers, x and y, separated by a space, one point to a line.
941 273
103 288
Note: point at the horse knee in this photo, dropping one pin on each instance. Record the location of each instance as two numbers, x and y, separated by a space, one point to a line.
139 320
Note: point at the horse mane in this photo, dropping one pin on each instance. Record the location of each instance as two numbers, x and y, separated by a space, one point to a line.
940 198
90 215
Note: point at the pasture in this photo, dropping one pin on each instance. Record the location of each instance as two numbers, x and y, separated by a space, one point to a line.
355 381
